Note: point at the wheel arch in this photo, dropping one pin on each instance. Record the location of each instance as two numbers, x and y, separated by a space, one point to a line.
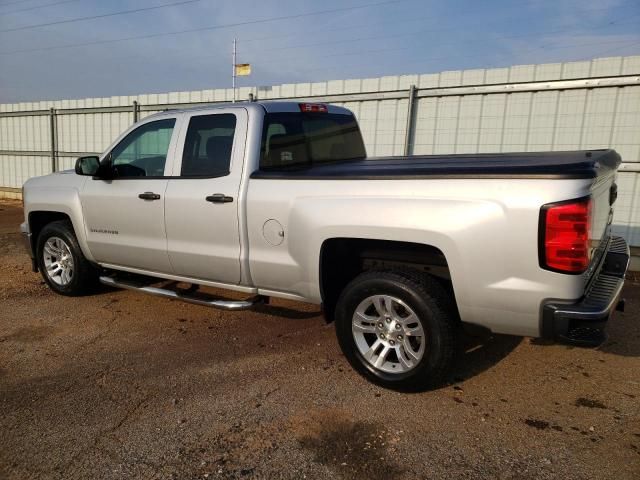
37 219
343 258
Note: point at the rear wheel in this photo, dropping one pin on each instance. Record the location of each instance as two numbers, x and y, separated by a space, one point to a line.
61 261
397 329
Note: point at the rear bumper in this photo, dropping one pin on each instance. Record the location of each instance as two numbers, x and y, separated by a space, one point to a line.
583 323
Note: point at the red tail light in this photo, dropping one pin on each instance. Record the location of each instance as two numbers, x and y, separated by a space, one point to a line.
564 230
313 108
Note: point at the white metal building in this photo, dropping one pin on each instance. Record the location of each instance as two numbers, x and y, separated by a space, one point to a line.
559 106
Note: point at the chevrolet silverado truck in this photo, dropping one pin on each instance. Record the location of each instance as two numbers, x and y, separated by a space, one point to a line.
280 200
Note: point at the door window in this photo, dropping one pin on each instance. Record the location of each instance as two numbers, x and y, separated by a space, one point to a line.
143 153
208 146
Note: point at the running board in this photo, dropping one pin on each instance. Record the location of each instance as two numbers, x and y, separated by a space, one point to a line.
184 296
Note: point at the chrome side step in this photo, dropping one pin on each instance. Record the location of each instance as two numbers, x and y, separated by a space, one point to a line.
185 296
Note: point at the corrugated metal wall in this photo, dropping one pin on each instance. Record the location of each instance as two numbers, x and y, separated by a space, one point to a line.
446 118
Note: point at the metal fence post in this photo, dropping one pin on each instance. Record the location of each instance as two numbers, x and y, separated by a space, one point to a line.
135 111
408 134
54 139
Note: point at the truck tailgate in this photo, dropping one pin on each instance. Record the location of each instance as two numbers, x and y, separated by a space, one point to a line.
604 191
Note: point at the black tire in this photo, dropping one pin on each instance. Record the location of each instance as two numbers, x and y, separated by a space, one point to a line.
431 304
84 276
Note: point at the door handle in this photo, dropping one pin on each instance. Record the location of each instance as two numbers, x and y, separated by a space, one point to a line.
149 196
219 198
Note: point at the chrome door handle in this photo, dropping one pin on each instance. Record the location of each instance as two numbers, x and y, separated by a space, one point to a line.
149 196
219 198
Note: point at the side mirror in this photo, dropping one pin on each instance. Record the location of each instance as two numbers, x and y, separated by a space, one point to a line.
87 165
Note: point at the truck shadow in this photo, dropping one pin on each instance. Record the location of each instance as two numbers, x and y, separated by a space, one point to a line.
622 328
290 310
621 346
480 352
624 337
285 312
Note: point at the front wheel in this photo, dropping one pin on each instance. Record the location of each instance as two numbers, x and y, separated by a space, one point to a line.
61 261
397 329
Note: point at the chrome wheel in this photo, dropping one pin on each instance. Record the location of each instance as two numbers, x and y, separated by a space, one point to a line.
388 334
58 261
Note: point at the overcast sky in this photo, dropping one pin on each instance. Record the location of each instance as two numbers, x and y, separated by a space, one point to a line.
382 38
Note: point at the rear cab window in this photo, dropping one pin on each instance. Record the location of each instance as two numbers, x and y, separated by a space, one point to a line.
300 140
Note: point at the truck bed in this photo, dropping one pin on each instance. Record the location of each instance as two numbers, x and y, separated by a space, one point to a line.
550 165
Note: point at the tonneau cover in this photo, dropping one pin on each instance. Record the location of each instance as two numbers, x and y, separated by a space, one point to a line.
573 164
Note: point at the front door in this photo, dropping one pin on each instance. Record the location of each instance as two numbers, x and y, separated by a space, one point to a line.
124 217
201 200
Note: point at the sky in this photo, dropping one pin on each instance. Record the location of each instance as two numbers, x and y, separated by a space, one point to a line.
50 51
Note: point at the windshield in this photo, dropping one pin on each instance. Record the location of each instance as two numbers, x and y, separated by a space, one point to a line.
304 139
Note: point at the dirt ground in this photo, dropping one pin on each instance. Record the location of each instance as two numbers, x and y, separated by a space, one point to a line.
123 385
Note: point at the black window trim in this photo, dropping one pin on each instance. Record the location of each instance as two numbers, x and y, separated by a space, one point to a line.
175 177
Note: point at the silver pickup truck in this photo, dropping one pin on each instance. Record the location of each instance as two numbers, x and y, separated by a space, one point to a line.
279 200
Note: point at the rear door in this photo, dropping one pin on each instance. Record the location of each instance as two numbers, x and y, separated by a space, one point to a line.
201 200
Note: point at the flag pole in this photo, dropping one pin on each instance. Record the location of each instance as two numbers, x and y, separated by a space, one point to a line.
233 78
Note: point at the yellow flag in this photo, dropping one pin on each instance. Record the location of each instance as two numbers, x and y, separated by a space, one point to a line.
243 69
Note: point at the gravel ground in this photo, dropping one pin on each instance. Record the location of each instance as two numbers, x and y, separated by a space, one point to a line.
123 385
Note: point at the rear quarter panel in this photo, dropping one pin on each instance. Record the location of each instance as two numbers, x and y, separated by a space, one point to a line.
486 228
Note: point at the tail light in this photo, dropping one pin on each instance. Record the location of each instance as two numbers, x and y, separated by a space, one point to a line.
564 236
313 108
